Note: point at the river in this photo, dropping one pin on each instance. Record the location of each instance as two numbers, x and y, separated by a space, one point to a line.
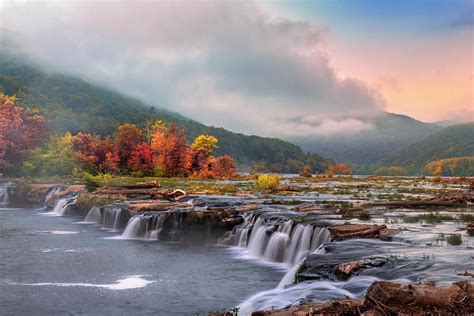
53 265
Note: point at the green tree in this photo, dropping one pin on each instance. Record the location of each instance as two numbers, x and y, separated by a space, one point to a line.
56 157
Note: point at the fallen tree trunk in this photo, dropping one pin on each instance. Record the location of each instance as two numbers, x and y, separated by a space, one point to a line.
457 298
139 185
355 231
454 199
470 228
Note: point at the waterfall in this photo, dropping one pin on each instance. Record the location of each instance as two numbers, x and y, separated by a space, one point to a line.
284 242
145 226
61 207
49 196
4 197
93 216
113 217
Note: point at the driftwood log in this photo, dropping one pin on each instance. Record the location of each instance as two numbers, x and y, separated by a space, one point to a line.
470 228
355 231
454 199
139 185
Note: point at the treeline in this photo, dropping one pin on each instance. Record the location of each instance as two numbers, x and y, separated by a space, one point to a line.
160 150
70 104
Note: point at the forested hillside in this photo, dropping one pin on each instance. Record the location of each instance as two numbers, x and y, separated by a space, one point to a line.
71 104
389 133
451 142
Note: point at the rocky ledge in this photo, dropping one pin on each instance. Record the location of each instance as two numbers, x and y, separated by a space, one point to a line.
389 298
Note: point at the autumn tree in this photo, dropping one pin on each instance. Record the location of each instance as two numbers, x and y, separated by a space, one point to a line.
173 153
342 169
125 140
223 167
206 144
142 159
306 172
20 133
94 154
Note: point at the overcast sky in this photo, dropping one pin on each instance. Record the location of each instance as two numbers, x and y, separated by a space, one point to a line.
279 68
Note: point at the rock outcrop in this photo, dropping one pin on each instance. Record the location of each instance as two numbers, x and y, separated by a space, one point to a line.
389 298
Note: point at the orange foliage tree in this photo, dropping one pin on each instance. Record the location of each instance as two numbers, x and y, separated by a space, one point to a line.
125 141
20 133
173 153
94 154
341 168
223 167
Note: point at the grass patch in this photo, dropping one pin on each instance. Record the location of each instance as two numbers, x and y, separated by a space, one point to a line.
364 216
454 240
429 218
466 217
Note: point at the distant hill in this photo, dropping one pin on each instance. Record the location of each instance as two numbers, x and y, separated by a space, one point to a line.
390 133
451 142
71 104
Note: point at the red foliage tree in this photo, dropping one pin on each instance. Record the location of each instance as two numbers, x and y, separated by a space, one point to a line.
223 167
127 138
173 153
342 168
142 159
20 133
96 155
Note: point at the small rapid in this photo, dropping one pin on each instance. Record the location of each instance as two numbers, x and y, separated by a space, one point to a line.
113 217
278 242
4 194
63 204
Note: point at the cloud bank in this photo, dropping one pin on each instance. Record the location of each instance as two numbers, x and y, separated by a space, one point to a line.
225 63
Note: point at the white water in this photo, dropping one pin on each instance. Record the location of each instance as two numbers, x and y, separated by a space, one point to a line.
145 226
290 277
49 196
93 216
131 282
4 197
111 217
60 209
286 243
316 291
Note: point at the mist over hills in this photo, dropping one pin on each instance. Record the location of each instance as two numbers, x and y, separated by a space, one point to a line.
71 104
389 134
451 142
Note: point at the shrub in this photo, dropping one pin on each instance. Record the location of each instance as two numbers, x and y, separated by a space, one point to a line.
99 180
306 172
454 240
364 216
267 183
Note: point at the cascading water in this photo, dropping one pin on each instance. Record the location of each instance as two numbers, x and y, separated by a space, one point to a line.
285 242
61 207
49 196
112 217
145 226
4 197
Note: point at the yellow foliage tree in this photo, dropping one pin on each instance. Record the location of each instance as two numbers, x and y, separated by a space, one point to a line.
206 144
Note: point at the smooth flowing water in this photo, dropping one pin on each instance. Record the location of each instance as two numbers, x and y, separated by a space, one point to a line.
53 265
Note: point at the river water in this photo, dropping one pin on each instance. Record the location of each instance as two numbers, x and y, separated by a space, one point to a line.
52 265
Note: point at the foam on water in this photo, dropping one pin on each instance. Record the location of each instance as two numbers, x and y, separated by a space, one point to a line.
131 282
